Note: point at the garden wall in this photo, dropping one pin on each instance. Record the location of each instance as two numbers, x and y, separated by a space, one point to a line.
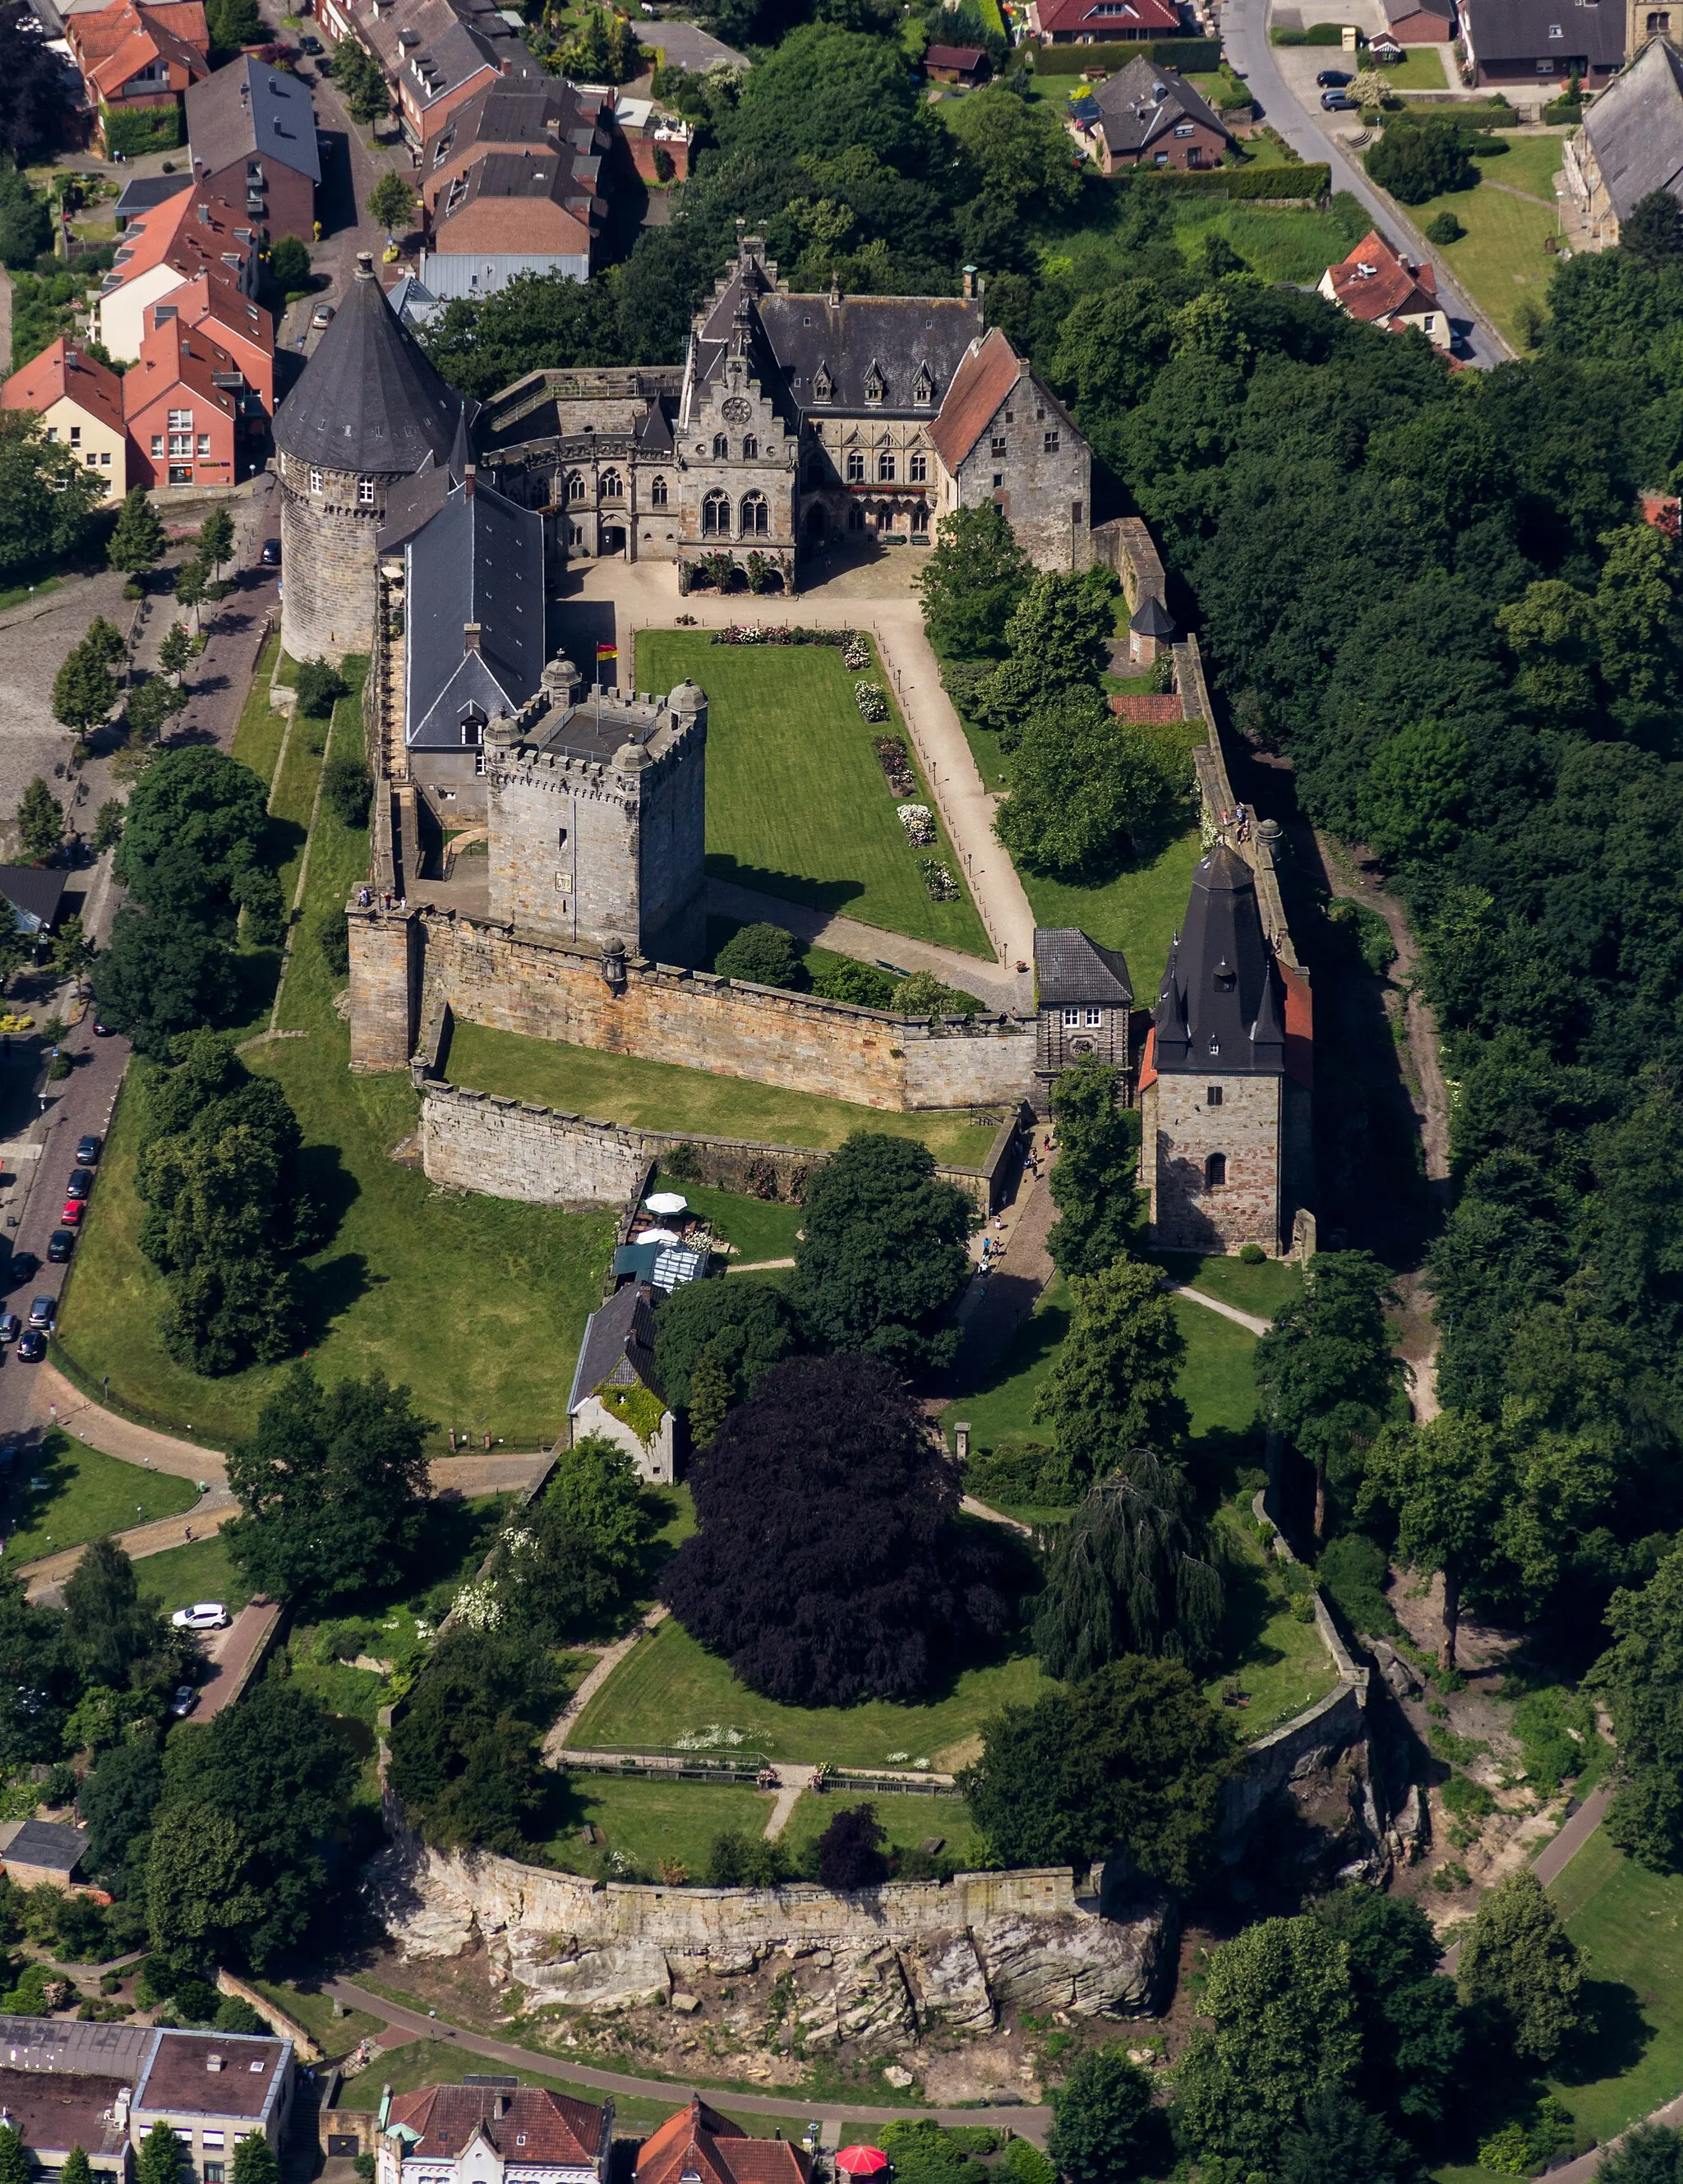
543 1157
545 989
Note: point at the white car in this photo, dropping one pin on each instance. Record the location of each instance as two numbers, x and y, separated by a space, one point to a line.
203 1615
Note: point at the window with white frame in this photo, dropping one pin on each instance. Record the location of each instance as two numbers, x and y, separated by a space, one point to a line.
204 443
158 443
1072 1017
885 469
917 469
1095 1018
855 466
316 480
180 420
181 444
365 493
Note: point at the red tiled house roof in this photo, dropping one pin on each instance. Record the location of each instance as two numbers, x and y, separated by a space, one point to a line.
1375 285
698 2143
548 2130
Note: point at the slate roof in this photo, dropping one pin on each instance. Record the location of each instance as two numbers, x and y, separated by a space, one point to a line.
1221 1008
64 370
1070 970
249 110
1636 128
69 2045
1152 618
897 334
1374 284
34 892
698 2145
618 1345
1518 31
550 2130
48 1843
145 191
1142 104
232 2074
479 559
538 200
368 399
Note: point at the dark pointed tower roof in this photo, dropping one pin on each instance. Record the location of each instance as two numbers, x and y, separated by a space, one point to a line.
368 399
1221 1009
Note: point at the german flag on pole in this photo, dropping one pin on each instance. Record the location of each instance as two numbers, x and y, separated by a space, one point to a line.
607 652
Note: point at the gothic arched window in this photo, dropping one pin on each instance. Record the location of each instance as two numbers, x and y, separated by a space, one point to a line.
716 516
756 516
657 493
613 486
721 448
575 485
750 447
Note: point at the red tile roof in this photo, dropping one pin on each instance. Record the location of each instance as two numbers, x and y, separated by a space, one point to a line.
62 371
1103 20
174 354
1147 707
147 240
988 371
1374 284
697 2142
528 2124
114 43
954 57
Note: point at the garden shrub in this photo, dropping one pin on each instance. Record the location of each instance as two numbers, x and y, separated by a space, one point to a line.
1352 1570
320 685
1191 56
348 790
132 136
1544 1721
1301 181
1444 228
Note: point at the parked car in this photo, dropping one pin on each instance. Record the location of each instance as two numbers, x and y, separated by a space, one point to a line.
42 1311
80 1183
184 1701
203 1615
11 1327
71 1212
271 556
31 1346
88 1150
1333 79
60 1245
23 1265
101 1030
1338 102
311 44
322 315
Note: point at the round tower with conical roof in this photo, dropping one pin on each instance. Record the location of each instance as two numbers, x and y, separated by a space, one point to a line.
367 410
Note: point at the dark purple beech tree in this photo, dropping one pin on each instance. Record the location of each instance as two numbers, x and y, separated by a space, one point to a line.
828 1565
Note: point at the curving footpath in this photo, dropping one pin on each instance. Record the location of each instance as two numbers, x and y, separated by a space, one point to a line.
1026 2122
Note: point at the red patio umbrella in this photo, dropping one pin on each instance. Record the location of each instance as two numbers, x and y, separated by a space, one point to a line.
861 2160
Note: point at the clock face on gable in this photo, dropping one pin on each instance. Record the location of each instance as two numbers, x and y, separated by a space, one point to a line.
735 409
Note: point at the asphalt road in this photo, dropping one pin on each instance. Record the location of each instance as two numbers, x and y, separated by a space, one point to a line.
1244 33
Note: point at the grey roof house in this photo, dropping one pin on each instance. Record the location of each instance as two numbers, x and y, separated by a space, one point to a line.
34 894
1543 42
1147 115
251 136
1084 997
32 1851
1630 143
615 1368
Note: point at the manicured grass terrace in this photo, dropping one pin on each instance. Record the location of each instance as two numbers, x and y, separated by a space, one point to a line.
662 1096
66 1493
797 804
1501 260
476 1303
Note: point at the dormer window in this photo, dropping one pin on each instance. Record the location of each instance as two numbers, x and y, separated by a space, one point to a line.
923 386
821 385
875 386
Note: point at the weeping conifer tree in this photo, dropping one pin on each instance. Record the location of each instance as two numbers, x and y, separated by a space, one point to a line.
1125 1576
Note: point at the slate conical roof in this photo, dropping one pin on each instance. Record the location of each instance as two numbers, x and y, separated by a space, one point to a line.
368 399
1219 1009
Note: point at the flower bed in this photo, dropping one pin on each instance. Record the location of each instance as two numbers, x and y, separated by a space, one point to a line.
896 766
919 822
940 883
754 632
873 700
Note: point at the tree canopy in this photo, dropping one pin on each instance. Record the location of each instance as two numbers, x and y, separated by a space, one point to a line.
1092 1185
1115 1384
1520 1965
1642 1675
827 1564
881 1253
1325 1367
1126 1574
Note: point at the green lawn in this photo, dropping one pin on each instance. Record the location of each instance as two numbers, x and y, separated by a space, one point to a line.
68 1493
1280 1663
654 1823
476 1303
797 805
667 1687
19 594
202 1570
334 2034
1501 260
1277 243
1420 69
1138 912
759 1229
907 1821
257 739
1215 1376
1264 1290
1629 1923
661 1095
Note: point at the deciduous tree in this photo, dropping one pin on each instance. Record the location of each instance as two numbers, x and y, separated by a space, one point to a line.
390 202
764 955
850 1849
1115 1384
1094 1184
1129 786
1102 2120
972 581
1325 1367
137 544
746 1325
881 1254
1444 1484
575 1552
465 1757
41 821
1642 1675
1519 1964
1127 1574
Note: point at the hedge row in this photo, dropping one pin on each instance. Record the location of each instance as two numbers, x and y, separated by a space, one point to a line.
1191 56
1310 179
134 134
1318 34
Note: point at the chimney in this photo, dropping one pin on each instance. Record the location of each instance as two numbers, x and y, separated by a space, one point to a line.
469 476
213 2063
364 266
970 284
470 636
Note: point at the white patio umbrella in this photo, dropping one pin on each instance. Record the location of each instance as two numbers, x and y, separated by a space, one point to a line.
666 1201
659 1236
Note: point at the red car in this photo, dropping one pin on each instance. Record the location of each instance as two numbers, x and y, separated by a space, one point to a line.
73 1212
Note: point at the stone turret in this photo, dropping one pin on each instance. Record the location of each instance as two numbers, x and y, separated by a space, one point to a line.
368 410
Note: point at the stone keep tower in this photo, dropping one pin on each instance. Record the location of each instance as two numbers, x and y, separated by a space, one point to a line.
1223 1086
368 409
595 808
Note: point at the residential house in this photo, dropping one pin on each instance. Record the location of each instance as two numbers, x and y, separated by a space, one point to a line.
521 114
434 53
495 2132
181 402
138 57
1630 143
1382 288
615 1390
164 248
1417 23
659 140
65 2083
1147 116
1083 996
1002 435
35 895
79 403
511 213
1543 43
1103 22
687 46
214 302
697 2145
968 65
213 2089
251 136
40 1853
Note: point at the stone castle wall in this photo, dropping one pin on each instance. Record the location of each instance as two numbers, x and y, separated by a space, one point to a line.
1182 1131
488 975
329 585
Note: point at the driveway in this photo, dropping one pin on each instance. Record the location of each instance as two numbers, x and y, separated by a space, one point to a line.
231 1654
1244 32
